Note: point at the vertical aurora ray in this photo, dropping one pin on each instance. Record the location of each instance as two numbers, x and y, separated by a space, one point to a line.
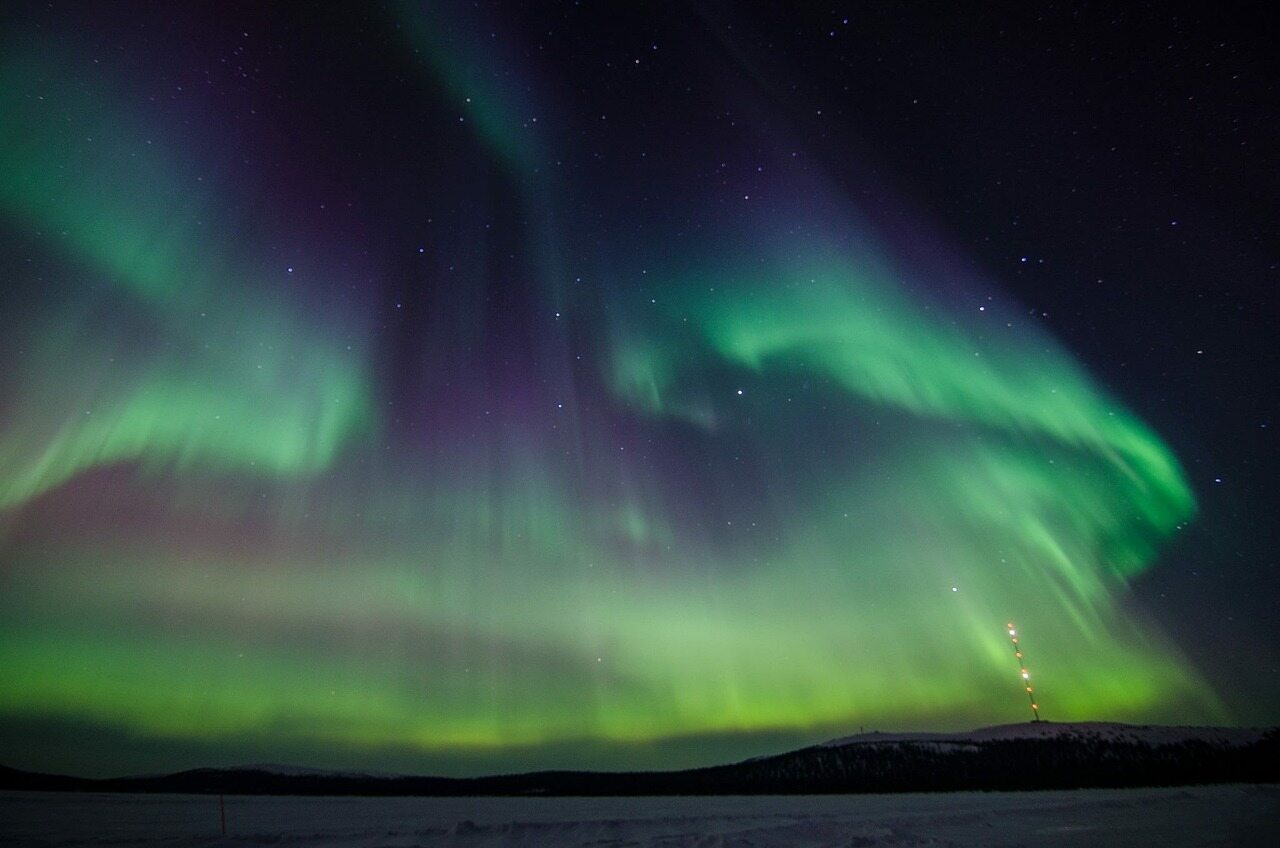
774 485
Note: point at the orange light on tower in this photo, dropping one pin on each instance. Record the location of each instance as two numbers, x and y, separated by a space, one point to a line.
1022 667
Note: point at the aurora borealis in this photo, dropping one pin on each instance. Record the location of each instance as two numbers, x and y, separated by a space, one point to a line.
381 392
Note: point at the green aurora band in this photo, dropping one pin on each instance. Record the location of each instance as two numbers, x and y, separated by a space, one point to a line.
833 493
212 382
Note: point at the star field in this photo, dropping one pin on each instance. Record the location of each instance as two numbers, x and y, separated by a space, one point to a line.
462 388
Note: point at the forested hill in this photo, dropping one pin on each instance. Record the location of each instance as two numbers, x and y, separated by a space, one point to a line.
1042 755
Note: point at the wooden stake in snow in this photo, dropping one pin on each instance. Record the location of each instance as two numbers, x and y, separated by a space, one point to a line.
222 812
1026 675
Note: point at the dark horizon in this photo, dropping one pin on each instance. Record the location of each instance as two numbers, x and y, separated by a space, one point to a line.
1010 757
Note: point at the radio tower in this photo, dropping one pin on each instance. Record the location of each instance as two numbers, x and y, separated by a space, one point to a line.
1026 675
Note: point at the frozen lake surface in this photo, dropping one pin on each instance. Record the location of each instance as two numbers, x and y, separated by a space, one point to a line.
1212 815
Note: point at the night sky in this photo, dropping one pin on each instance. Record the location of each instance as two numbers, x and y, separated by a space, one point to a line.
469 387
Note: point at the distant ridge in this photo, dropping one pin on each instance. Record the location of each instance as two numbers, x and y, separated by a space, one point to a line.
1040 755
303 771
1151 734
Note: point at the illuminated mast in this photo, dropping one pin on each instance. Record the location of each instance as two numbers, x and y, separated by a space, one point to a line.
1026 675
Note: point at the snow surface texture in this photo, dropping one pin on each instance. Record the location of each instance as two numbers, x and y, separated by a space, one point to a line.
1213 815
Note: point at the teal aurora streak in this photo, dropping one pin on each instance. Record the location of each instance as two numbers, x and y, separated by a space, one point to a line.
793 490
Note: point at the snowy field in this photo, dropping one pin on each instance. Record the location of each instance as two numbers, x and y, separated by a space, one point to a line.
1217 815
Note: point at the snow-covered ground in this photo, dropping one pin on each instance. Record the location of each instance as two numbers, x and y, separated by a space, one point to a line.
1213 815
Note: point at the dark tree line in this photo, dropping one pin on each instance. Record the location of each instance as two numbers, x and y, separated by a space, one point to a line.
1066 762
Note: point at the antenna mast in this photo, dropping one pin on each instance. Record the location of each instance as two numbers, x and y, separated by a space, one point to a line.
1026 675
